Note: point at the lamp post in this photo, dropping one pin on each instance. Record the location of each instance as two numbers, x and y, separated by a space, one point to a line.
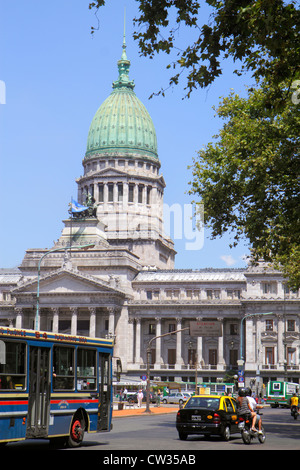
148 365
37 313
241 361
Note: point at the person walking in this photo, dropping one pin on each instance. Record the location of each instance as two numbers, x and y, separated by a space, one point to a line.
140 397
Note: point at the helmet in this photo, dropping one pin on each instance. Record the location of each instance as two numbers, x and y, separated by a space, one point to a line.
242 392
248 392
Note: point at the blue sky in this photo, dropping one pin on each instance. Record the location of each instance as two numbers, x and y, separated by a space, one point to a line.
56 75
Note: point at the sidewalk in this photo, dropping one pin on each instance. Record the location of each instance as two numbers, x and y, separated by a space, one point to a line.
135 411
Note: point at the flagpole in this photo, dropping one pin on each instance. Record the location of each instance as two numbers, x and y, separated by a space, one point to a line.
71 235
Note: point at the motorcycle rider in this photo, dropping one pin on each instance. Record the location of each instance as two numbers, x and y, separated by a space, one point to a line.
245 408
254 406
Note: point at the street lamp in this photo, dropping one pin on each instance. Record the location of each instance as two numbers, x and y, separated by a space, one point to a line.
241 361
148 365
37 314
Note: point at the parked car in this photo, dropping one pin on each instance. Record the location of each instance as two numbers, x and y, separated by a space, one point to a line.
208 415
176 397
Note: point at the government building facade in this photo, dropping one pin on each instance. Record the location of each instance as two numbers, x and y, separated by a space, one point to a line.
111 273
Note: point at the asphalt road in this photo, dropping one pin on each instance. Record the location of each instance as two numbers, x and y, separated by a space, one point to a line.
158 433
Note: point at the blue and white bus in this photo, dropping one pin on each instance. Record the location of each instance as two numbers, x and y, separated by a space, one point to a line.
54 386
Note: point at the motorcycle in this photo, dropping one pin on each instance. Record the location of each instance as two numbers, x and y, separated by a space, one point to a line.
247 433
294 412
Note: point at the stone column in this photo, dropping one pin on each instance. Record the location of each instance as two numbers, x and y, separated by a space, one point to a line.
221 345
19 317
199 350
178 344
111 321
55 319
280 340
158 344
131 352
137 341
92 332
74 321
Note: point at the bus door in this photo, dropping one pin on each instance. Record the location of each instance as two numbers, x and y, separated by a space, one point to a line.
39 392
104 392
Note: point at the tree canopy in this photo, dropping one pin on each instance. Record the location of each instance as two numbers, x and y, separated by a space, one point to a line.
248 180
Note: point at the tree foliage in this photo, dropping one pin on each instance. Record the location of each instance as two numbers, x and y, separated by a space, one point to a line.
249 180
261 36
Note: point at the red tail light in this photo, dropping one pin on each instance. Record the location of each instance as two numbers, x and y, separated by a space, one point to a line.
178 417
217 418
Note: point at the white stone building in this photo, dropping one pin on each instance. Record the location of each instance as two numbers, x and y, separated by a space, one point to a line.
124 283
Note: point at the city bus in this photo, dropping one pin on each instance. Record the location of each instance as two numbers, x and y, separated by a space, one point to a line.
279 393
54 386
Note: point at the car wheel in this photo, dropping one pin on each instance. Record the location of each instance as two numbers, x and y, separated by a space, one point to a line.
180 402
226 433
183 436
165 401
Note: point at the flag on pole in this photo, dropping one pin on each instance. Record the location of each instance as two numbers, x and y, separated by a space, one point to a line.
76 207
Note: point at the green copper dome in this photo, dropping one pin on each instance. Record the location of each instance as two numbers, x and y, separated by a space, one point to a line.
122 124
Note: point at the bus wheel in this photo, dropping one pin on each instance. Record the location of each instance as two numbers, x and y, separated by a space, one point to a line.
76 432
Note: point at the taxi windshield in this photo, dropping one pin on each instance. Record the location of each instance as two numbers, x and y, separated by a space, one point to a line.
203 402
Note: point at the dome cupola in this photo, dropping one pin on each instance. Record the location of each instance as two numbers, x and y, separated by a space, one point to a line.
122 124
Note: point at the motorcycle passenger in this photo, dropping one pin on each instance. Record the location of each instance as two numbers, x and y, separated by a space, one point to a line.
254 406
295 402
245 408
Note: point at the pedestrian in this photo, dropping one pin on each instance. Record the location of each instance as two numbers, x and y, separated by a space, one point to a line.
158 398
140 397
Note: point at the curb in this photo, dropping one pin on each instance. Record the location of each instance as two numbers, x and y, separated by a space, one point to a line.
129 412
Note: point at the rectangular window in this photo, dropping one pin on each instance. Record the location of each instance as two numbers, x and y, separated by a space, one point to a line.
101 192
152 329
110 192
171 356
130 192
12 365
148 194
86 369
291 325
140 195
270 356
63 368
212 357
120 192
149 294
269 325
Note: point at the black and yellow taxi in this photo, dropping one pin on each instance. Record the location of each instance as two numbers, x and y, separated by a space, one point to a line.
208 415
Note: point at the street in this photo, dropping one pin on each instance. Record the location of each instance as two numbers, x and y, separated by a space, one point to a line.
158 433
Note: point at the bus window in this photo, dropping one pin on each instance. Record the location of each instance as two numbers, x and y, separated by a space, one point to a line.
12 366
63 368
86 369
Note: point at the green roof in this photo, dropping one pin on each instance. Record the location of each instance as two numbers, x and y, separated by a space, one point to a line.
122 124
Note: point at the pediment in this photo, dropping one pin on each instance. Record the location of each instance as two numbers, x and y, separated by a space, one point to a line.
67 282
110 171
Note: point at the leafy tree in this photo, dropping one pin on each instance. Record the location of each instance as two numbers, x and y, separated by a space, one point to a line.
261 35
249 180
